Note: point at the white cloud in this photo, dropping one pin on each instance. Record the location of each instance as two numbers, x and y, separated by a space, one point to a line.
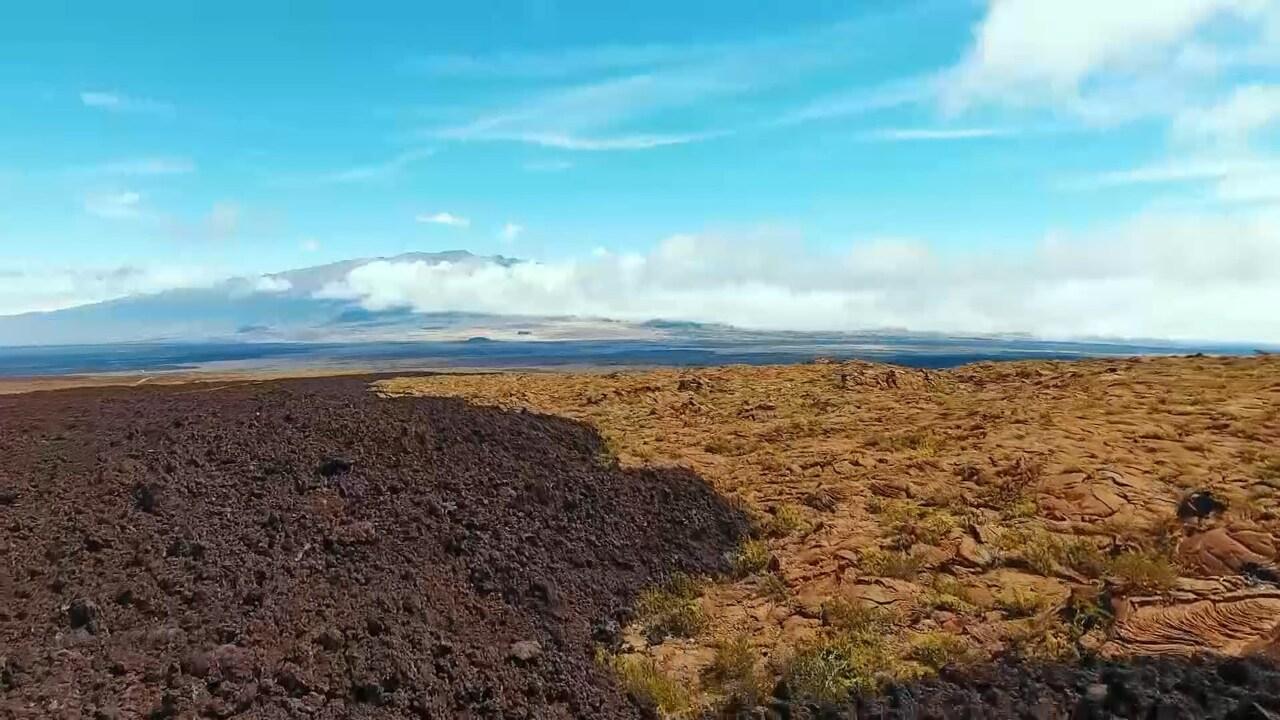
1248 109
561 141
114 205
510 232
562 63
1227 178
140 167
120 103
1209 277
38 289
862 101
587 117
1033 52
375 172
444 218
310 245
1174 171
925 134
272 284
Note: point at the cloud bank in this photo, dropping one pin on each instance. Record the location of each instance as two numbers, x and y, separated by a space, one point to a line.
1203 277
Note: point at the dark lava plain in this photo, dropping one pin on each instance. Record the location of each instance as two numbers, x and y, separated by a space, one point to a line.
308 549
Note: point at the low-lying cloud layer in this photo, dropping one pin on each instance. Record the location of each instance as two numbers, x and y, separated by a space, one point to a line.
1205 277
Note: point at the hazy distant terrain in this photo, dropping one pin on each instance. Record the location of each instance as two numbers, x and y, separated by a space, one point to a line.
295 318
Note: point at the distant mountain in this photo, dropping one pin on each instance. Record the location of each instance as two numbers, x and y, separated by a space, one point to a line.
280 306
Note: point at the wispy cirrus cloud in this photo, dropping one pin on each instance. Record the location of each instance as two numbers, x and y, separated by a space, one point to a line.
597 116
124 205
938 134
116 102
444 218
141 167
862 101
642 89
566 62
1174 171
376 172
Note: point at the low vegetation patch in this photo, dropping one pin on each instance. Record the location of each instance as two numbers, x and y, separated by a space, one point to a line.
1019 602
752 558
1142 571
906 523
936 650
1045 553
641 677
834 668
921 442
900 564
733 671
672 610
947 593
786 520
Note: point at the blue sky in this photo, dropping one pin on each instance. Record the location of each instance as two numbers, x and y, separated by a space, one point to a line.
145 145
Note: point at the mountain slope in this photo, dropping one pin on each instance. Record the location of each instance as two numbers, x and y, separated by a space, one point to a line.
281 306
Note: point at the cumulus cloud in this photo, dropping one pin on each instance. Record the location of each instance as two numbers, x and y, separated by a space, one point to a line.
1208 277
1248 109
33 289
272 284
114 205
444 218
1048 51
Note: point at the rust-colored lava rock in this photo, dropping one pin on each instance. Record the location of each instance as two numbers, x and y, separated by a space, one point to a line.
308 549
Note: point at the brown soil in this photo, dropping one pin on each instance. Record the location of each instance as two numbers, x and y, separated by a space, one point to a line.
307 549
1053 511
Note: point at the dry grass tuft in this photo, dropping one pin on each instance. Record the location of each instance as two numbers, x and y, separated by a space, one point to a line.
947 593
899 564
936 650
641 677
752 557
1142 571
1023 602
786 520
733 671
672 610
